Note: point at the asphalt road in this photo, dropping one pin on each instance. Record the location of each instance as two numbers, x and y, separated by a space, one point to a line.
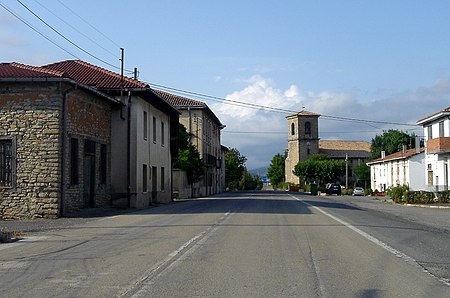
261 244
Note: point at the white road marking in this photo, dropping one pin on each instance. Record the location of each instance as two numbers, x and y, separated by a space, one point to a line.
171 259
378 242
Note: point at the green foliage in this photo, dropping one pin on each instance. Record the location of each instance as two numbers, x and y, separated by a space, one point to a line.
188 157
275 173
362 172
234 168
398 193
443 196
320 169
419 197
249 182
391 141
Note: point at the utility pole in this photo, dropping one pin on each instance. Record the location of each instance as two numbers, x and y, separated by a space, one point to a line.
346 171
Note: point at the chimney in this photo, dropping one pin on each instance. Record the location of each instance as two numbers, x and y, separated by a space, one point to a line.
417 144
383 154
404 148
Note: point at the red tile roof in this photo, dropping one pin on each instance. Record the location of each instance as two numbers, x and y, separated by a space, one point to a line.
17 70
342 149
92 75
398 155
444 112
179 101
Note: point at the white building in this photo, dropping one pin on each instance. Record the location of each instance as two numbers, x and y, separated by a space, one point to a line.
437 135
398 169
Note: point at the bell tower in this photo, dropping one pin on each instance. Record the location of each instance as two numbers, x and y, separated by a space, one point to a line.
303 141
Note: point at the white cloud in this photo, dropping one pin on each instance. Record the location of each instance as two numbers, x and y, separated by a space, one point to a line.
259 148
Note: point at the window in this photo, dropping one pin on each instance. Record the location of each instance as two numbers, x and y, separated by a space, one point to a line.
6 163
73 161
162 133
103 162
430 132
144 178
441 129
145 124
293 129
162 178
154 130
308 128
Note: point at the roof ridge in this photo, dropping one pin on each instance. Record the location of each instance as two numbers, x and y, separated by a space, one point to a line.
101 70
180 97
37 68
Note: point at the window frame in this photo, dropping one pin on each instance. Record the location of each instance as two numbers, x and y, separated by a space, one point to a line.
12 162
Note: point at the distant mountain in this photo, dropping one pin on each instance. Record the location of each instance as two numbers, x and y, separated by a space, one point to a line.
262 171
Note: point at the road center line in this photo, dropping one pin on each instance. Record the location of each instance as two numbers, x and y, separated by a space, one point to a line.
378 242
171 258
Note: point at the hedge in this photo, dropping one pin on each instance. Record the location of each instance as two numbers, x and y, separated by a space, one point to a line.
402 195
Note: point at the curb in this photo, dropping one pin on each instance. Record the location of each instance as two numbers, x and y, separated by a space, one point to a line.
427 206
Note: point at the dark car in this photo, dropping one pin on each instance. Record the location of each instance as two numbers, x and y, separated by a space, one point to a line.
334 188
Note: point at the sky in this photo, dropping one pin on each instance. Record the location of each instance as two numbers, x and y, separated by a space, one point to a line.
383 61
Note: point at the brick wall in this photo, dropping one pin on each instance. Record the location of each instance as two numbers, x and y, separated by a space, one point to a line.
88 118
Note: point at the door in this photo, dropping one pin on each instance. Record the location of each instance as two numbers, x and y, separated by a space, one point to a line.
89 181
89 174
154 183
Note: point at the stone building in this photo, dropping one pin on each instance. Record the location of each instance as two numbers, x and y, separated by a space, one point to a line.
205 128
55 143
74 136
304 141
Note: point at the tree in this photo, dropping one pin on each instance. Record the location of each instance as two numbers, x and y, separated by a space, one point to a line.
188 157
234 168
362 172
391 141
320 168
275 173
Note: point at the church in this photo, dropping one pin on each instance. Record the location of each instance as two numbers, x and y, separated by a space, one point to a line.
304 141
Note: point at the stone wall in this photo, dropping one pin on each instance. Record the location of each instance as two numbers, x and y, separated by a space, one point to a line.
32 120
31 116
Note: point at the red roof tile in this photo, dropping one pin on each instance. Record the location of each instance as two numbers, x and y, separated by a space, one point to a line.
398 155
179 101
92 75
17 70
432 116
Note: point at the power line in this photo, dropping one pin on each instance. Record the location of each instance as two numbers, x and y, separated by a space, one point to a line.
68 40
36 30
104 35
271 109
75 29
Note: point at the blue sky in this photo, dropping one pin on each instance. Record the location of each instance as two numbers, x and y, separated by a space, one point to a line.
380 60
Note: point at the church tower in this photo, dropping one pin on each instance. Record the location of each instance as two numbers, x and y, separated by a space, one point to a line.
303 141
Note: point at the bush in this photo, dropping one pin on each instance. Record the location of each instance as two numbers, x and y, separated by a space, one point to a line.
420 197
347 192
398 193
443 196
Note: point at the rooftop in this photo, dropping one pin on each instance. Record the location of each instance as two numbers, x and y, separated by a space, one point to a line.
92 75
398 155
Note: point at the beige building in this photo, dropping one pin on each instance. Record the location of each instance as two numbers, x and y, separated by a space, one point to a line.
304 141
143 132
205 128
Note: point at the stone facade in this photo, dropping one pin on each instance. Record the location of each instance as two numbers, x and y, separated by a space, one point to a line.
32 121
303 141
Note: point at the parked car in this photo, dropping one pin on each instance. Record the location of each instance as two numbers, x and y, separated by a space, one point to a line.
358 191
333 188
